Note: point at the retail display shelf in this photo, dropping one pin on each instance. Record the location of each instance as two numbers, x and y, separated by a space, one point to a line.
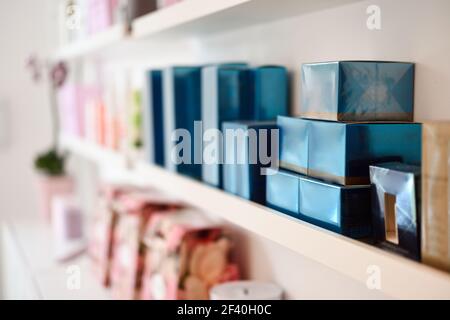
394 275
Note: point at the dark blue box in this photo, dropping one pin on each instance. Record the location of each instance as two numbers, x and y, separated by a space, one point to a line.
396 207
358 91
154 119
342 152
342 209
182 110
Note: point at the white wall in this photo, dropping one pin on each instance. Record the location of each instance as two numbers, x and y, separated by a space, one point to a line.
412 30
26 28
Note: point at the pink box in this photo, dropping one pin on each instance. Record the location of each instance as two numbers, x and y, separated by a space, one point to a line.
70 105
134 210
100 15
185 256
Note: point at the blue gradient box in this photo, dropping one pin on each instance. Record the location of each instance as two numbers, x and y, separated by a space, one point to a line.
342 209
358 91
244 168
342 152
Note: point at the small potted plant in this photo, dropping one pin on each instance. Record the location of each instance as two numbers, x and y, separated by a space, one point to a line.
52 178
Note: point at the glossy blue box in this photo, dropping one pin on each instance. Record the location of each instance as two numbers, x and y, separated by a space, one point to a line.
358 91
244 168
182 110
271 91
154 127
396 207
342 152
342 209
226 96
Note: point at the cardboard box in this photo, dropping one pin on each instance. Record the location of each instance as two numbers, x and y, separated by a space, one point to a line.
435 195
345 210
358 91
396 207
245 145
342 152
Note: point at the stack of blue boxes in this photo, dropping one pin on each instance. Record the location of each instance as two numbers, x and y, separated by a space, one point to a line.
346 126
219 96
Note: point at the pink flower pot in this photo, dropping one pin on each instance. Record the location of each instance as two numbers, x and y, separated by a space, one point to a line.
48 187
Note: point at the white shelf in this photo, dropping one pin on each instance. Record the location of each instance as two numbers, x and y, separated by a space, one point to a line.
31 239
197 17
93 43
400 277
193 17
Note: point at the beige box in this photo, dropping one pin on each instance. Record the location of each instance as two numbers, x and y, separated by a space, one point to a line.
435 194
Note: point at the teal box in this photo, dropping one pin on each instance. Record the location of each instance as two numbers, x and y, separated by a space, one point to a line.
342 209
271 93
358 91
249 149
342 152
226 96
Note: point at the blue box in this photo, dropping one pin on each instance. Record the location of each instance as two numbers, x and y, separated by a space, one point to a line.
271 93
396 207
243 168
226 96
342 152
342 209
154 127
182 110
358 91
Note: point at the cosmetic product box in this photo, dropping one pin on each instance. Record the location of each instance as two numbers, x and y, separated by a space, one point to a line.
226 96
342 152
435 244
153 118
101 235
100 15
185 255
182 111
358 91
342 209
250 147
134 211
271 92
71 109
396 207
235 92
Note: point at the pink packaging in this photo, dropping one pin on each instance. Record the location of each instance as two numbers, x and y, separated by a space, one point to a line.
134 210
185 256
70 105
101 242
100 15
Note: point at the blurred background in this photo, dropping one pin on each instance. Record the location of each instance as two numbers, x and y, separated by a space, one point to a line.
37 48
